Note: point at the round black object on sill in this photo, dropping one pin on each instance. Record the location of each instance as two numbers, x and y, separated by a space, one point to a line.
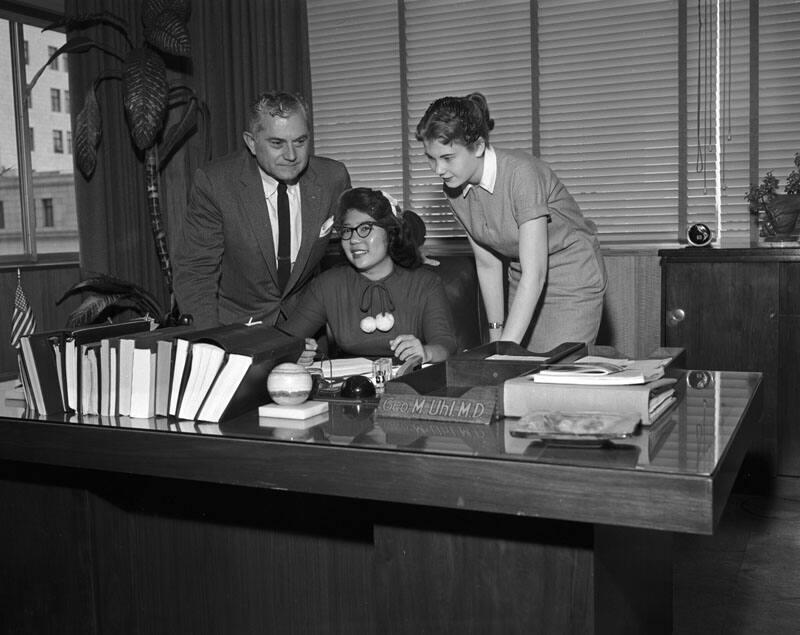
357 387
699 235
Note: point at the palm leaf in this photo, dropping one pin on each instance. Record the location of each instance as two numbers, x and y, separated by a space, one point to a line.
82 20
169 34
88 131
144 86
106 296
151 9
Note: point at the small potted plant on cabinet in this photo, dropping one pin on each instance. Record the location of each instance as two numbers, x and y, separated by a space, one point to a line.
777 213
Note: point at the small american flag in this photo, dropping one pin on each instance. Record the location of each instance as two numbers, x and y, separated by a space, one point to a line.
22 321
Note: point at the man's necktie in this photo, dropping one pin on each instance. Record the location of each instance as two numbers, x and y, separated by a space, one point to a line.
284 237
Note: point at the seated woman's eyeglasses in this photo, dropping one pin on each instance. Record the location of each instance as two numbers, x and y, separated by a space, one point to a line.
362 229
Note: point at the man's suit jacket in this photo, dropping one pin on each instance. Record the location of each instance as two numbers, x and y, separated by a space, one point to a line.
224 262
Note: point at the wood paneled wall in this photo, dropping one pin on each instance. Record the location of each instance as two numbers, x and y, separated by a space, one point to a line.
43 285
632 311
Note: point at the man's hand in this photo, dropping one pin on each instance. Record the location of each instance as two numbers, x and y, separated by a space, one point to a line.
307 356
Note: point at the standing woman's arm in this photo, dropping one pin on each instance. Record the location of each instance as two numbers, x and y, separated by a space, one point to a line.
490 278
533 260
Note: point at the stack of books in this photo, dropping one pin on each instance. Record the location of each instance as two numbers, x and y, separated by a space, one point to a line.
130 369
594 384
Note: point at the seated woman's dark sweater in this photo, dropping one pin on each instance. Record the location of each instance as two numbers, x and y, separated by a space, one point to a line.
414 297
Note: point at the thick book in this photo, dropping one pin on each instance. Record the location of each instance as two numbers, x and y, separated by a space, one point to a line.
89 378
74 338
522 395
137 369
602 371
181 361
165 357
252 351
43 371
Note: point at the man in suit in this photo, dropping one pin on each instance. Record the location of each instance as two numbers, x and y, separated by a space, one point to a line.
226 264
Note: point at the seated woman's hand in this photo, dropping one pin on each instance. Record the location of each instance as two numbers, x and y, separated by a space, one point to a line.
307 356
406 346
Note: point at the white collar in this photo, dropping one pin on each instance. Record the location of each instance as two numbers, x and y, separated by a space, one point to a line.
489 176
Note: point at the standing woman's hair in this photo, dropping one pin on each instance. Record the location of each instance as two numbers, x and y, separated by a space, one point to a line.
403 246
461 119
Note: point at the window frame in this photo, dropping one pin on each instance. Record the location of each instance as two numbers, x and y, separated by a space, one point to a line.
19 18
55 100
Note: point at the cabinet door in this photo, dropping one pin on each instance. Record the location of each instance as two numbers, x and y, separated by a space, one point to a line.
724 314
789 372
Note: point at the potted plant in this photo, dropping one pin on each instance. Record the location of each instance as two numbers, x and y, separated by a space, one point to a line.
778 211
148 97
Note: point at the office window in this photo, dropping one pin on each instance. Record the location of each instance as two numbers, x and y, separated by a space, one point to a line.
58 141
55 100
30 176
619 97
47 212
54 63
69 141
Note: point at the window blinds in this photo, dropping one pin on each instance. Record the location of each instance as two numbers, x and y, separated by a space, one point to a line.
779 88
355 68
481 46
625 93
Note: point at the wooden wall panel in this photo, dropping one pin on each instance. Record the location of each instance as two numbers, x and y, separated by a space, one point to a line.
632 312
43 285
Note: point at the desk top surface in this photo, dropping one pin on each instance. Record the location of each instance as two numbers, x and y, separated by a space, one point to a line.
686 448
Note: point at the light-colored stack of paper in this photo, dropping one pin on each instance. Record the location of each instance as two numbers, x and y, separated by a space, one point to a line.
344 367
602 371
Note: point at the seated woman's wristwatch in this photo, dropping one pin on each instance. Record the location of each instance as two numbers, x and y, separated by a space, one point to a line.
495 325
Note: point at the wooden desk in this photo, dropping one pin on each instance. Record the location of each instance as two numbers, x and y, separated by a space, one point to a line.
125 526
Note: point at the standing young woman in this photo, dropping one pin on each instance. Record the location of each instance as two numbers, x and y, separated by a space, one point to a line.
516 212
382 303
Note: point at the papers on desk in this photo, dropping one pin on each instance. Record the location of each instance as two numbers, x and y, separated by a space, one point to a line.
344 367
602 371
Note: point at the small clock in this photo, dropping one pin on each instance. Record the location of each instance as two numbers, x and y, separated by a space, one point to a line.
699 235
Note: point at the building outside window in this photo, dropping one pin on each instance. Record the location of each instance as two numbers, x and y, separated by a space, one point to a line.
55 100
66 101
69 141
50 51
25 52
63 59
2 216
47 212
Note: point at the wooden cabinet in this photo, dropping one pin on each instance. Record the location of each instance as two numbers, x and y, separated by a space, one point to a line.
739 309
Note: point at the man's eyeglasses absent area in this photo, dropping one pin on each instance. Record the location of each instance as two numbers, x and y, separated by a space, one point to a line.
362 229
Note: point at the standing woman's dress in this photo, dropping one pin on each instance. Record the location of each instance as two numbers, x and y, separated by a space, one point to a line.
521 188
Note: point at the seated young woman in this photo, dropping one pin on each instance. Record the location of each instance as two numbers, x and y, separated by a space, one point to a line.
382 303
